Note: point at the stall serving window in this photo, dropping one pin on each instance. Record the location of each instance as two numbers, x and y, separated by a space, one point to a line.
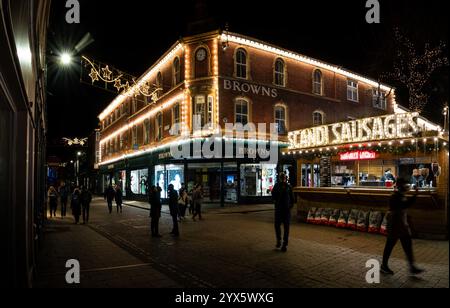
258 180
139 181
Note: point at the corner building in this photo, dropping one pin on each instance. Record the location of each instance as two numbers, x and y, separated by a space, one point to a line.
221 78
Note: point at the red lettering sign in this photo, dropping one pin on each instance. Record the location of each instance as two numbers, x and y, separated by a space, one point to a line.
358 155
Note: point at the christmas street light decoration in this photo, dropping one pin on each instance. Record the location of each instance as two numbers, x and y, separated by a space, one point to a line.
120 81
76 141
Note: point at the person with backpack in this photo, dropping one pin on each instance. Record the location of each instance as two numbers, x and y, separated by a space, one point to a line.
75 204
86 198
283 198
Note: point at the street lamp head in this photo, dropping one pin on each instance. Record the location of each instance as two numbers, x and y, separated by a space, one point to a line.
65 59
71 161
79 153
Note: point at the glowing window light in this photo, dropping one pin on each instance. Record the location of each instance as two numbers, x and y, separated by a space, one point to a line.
142 118
288 54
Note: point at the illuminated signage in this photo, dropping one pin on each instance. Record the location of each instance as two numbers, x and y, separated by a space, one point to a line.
389 127
358 155
243 87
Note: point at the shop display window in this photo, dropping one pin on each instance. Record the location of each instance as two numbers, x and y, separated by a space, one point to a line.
139 181
168 174
257 179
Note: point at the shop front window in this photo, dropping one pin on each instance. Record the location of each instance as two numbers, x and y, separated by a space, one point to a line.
257 180
139 181
166 175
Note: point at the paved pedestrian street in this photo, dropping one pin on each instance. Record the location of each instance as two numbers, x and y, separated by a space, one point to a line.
231 248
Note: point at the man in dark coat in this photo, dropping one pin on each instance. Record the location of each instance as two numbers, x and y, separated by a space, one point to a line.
173 206
75 204
64 194
284 201
109 197
154 199
119 198
398 228
86 198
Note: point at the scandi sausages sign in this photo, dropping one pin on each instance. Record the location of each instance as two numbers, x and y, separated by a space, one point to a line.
389 127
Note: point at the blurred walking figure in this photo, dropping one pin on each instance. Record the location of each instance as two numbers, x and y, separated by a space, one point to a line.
52 200
173 206
109 197
64 196
154 198
75 204
86 198
182 203
197 198
398 227
119 198
284 202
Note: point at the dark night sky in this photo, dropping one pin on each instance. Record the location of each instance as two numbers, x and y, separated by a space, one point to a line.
131 35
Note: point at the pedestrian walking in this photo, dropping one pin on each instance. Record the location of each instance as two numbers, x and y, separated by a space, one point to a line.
182 203
52 200
283 198
86 199
155 210
119 199
109 196
197 200
64 196
75 204
398 227
173 206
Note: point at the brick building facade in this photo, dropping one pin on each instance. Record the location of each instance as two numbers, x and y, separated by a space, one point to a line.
221 78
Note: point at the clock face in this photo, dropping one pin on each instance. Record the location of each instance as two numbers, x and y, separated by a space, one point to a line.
201 54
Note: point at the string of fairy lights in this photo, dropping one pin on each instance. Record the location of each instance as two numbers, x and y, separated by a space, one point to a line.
416 145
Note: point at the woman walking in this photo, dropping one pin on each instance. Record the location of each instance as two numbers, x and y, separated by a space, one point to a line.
52 200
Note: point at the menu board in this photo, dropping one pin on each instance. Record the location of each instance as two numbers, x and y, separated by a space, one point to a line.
325 172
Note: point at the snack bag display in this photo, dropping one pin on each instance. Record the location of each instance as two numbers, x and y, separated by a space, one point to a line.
334 217
363 221
325 216
384 224
318 216
353 219
375 220
311 215
343 219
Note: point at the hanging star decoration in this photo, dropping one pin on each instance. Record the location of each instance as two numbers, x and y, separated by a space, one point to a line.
94 75
118 85
107 73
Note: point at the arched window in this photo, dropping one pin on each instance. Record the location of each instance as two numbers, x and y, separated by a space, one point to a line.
146 131
317 82
176 72
241 112
159 126
318 118
280 119
280 68
241 63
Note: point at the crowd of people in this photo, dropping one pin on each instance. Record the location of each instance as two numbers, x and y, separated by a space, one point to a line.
179 203
80 201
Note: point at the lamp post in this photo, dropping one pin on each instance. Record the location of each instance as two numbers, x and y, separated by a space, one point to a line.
446 118
77 168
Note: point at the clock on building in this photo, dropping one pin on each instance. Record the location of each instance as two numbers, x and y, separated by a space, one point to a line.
201 54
